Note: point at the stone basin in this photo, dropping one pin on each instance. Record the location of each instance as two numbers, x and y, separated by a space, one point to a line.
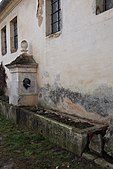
74 139
71 137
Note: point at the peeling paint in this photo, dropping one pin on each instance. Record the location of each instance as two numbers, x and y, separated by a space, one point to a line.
40 12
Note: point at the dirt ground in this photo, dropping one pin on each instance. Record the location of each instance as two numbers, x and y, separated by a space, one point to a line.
21 148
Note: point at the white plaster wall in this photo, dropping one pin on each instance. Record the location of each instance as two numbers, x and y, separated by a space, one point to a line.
81 58
83 54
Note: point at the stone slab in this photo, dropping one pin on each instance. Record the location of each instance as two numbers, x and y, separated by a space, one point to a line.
103 163
95 145
89 157
108 148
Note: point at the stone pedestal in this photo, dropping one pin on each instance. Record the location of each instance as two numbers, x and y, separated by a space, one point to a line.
23 91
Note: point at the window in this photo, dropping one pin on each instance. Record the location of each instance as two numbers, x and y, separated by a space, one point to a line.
108 4
13 35
103 5
53 16
3 41
56 19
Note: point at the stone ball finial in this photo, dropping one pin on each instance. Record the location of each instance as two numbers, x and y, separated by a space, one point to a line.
24 46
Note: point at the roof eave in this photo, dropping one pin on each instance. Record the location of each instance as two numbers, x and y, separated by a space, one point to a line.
3 4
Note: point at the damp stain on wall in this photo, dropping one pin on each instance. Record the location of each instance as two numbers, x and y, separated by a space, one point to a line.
100 102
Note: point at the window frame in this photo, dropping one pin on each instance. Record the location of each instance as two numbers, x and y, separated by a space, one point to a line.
13 35
4 41
57 12
105 7
53 25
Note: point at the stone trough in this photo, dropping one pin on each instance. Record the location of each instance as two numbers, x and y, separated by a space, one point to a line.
74 138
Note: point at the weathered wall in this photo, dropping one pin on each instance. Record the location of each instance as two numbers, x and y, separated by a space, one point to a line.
76 64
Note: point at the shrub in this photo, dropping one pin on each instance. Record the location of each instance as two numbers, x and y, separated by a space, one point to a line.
3 77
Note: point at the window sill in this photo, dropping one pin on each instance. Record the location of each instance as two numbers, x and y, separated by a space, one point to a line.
104 16
105 12
54 35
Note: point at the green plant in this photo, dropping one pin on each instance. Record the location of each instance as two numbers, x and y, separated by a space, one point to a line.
3 78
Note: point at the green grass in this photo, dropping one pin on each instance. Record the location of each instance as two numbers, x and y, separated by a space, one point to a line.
29 150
